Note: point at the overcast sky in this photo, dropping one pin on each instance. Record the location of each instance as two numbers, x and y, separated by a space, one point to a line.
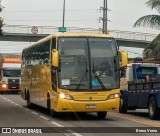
79 13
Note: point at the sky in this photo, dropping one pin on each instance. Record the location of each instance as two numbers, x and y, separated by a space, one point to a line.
79 13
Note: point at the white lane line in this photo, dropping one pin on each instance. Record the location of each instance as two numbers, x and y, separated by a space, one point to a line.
35 113
16 104
12 102
27 110
74 133
4 97
20 106
43 117
57 124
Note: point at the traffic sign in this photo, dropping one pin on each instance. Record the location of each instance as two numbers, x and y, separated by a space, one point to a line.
34 30
62 29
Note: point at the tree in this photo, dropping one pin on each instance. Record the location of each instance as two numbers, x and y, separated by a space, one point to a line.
1 25
151 52
1 20
152 21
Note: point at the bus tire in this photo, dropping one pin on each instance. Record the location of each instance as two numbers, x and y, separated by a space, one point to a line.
50 110
29 104
153 110
101 115
122 107
53 113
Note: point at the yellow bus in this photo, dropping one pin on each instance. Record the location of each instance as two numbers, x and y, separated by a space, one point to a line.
72 72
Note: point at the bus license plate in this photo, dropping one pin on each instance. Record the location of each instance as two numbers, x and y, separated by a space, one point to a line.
90 106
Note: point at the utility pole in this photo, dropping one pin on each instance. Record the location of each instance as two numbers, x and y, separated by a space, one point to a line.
104 18
64 3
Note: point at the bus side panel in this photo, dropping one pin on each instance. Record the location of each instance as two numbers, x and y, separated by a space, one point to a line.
39 85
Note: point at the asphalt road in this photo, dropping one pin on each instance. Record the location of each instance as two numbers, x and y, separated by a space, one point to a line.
15 114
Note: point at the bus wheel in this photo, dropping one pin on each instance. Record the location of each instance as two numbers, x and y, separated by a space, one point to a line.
51 111
101 115
122 107
29 104
152 108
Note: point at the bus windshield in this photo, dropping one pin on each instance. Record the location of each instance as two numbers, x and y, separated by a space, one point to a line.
11 73
88 63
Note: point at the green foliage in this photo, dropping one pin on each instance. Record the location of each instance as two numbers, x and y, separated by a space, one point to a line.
152 51
1 25
152 21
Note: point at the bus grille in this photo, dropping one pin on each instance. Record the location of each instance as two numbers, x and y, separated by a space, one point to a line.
13 83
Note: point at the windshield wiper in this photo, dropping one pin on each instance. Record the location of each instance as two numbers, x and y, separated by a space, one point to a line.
83 76
98 78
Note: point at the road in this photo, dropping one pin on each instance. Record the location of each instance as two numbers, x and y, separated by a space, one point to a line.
14 113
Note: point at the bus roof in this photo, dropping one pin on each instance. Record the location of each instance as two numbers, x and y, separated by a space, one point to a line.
81 35
70 35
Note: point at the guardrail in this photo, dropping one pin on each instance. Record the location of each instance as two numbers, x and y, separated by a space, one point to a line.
128 35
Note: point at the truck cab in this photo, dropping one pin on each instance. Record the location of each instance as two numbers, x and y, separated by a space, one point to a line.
10 71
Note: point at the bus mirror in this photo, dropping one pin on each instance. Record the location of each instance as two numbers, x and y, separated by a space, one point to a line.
123 58
55 58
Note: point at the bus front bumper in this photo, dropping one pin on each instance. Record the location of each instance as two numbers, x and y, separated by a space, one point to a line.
87 106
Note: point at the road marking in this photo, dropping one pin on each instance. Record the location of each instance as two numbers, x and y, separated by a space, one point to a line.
70 131
12 102
57 124
20 106
74 133
27 110
35 113
4 97
134 120
16 104
43 117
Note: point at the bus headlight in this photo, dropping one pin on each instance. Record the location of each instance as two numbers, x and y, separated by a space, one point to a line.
65 96
4 85
113 96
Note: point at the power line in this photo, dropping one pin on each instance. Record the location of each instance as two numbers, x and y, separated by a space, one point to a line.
54 20
72 10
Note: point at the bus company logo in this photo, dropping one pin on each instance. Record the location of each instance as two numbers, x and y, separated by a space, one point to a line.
6 130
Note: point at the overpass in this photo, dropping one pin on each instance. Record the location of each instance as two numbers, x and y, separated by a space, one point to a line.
27 34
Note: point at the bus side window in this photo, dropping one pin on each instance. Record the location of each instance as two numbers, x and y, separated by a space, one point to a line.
53 43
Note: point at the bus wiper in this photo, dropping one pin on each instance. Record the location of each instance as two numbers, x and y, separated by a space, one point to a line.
98 78
83 76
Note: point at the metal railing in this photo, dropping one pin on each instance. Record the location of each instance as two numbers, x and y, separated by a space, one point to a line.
128 35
